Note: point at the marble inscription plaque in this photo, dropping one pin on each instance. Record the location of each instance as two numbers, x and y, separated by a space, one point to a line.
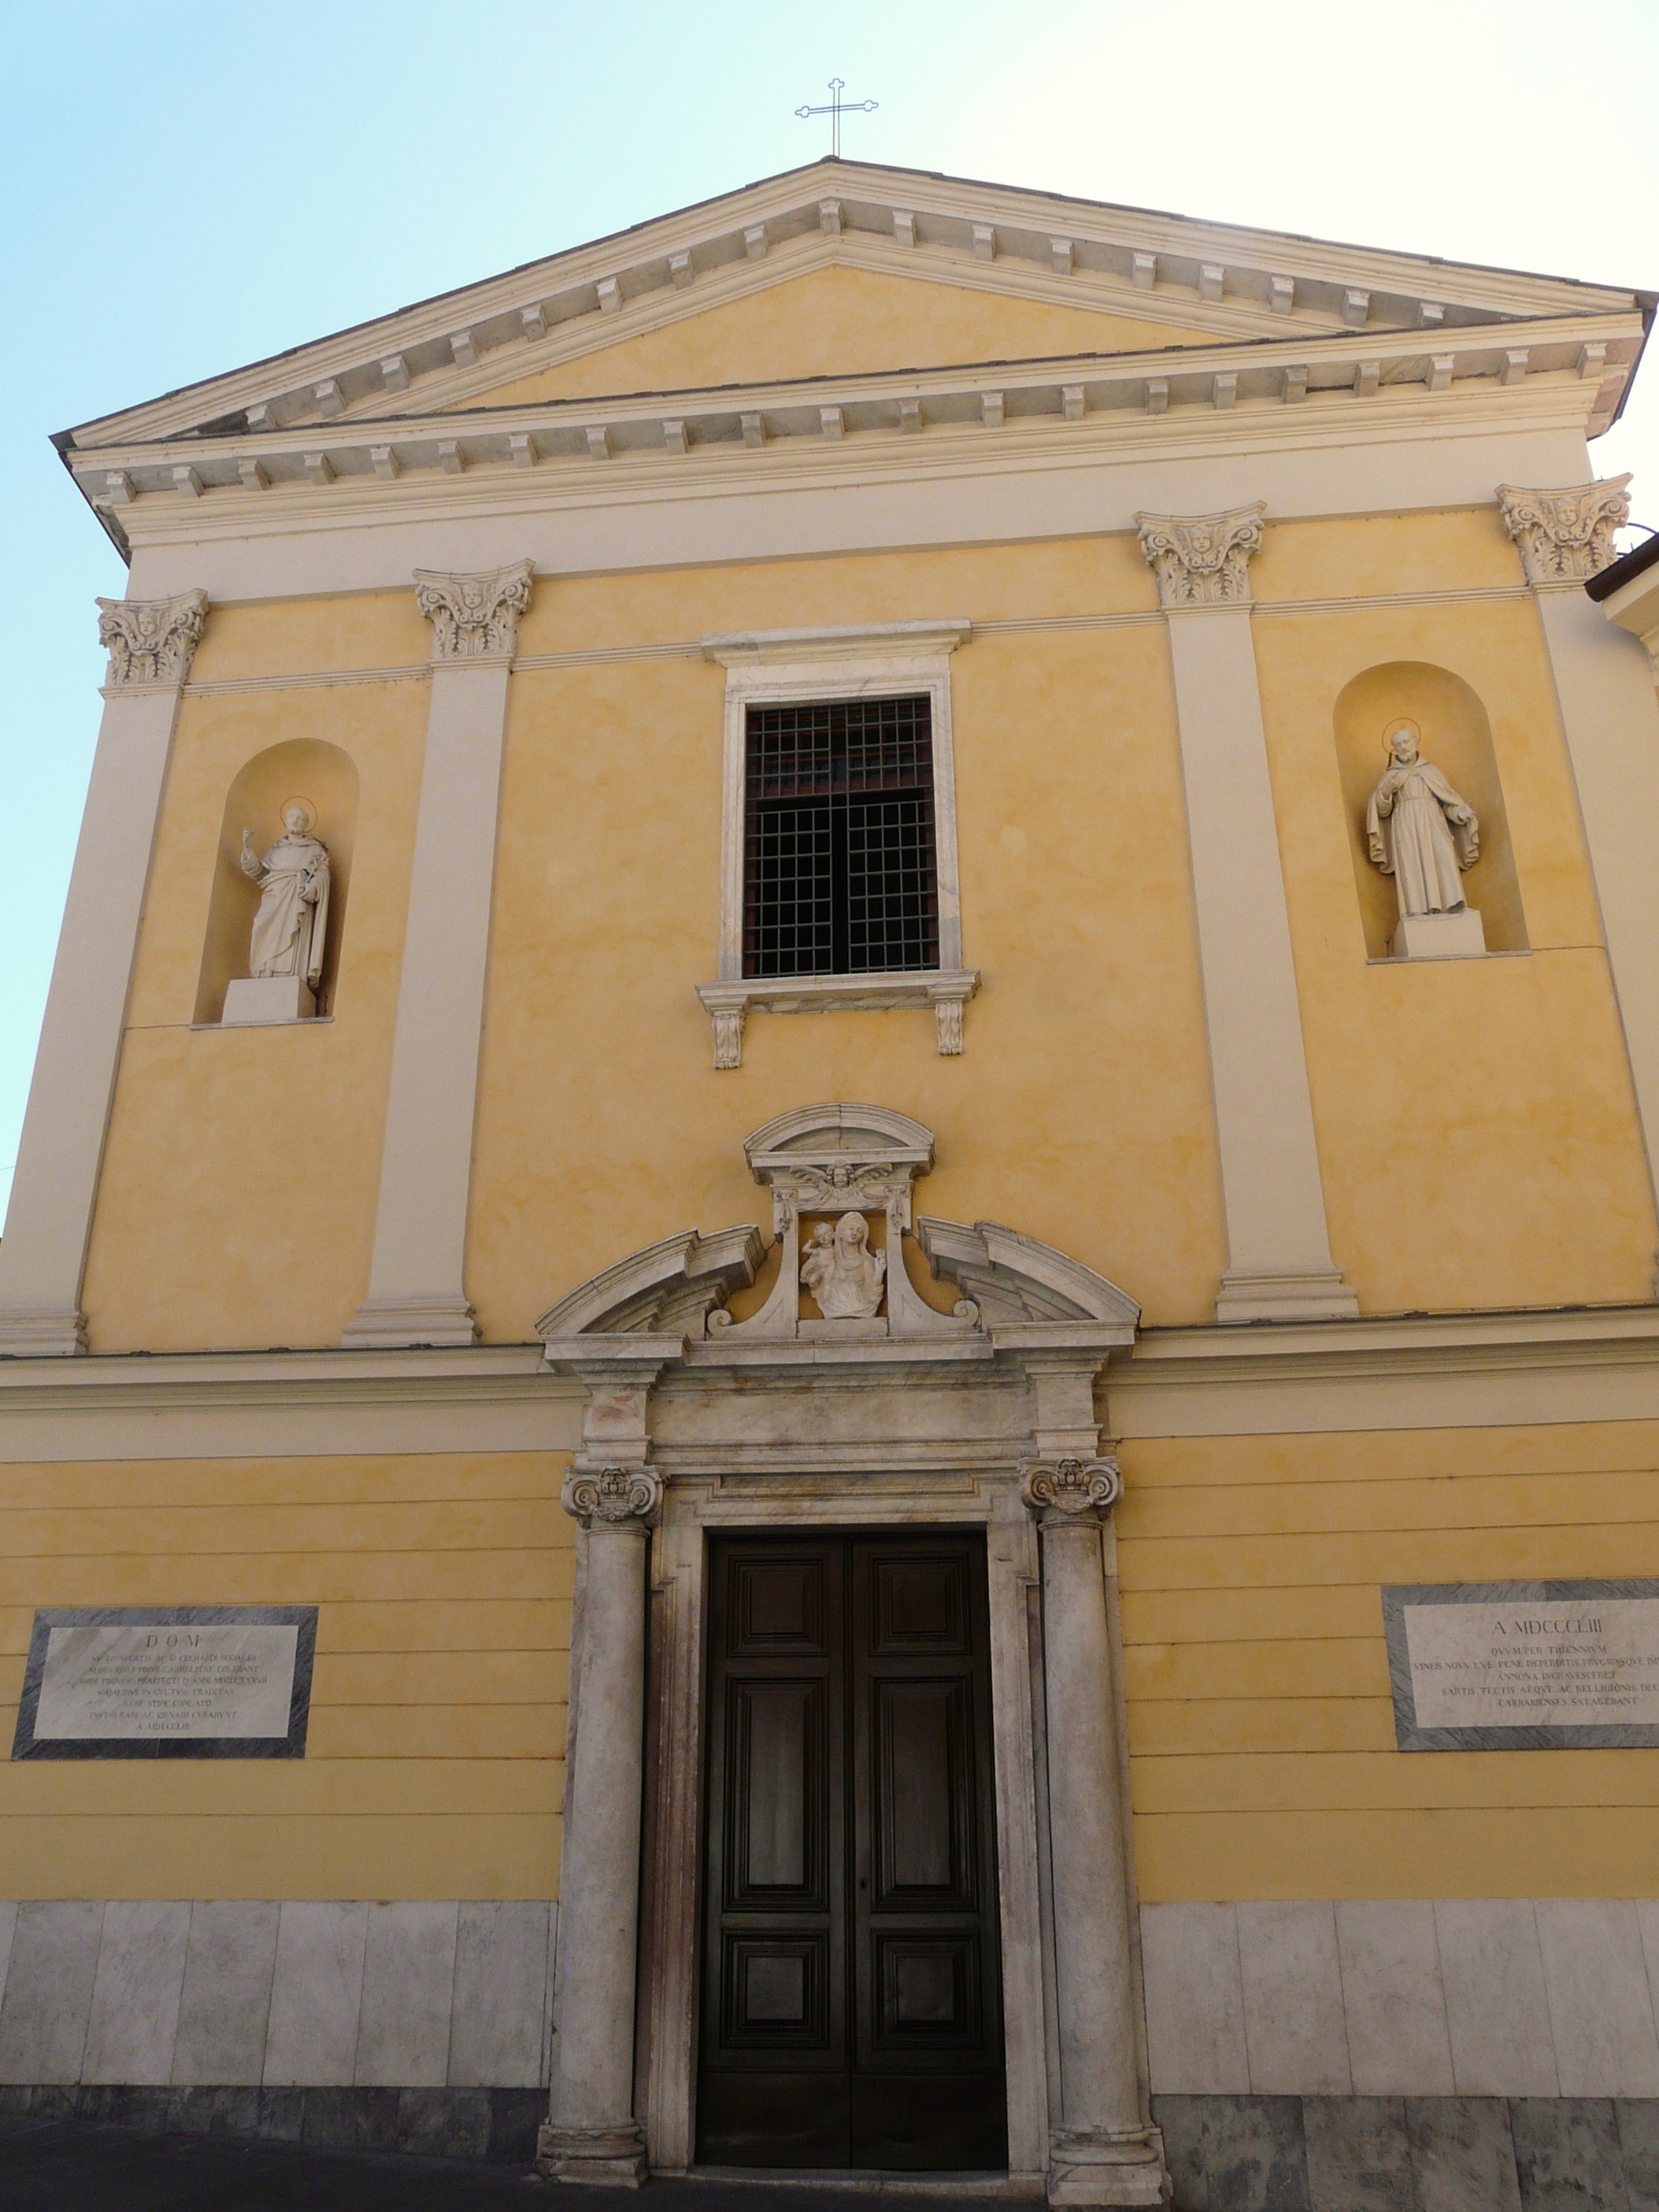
167 1682
1523 1666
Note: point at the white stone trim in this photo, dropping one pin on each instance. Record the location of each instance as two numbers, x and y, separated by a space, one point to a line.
60 1154
1279 1266
878 660
416 1291
950 487
1111 395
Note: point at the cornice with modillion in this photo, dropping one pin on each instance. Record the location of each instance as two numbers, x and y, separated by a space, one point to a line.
565 290
997 396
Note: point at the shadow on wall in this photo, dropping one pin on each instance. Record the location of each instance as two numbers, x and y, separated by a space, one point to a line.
1456 740
325 780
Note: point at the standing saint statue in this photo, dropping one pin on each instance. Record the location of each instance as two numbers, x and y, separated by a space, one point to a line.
290 930
841 1271
1418 830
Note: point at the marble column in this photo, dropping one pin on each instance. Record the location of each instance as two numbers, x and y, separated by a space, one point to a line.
416 1291
592 2134
43 1254
1105 2150
1279 1266
1604 687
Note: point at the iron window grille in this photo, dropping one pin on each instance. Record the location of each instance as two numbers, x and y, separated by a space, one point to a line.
840 877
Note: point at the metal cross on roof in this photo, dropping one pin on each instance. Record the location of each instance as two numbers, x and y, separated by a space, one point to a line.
835 110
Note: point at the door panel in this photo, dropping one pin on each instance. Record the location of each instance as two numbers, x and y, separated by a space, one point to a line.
851 2010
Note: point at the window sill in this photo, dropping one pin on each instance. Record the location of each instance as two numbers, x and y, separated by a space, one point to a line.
947 991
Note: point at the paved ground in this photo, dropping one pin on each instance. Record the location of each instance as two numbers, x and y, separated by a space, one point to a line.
76 2168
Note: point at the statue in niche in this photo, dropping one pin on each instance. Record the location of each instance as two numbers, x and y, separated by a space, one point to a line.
841 1271
290 930
1418 830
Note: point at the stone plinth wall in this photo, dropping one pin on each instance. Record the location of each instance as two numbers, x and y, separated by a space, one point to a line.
1502 1997
400 2026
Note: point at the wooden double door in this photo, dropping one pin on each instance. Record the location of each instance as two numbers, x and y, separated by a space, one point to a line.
851 2011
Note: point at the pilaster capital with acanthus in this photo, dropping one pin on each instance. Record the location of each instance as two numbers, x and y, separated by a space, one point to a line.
1202 560
474 617
1061 1489
150 642
613 1497
1565 536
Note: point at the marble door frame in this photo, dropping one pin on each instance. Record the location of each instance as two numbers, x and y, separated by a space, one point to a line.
669 1981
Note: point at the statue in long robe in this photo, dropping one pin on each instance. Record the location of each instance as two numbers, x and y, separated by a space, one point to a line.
1418 830
841 1271
290 930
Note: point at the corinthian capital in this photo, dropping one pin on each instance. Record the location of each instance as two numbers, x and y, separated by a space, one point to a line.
1072 1486
1565 536
1203 560
151 640
613 1496
474 617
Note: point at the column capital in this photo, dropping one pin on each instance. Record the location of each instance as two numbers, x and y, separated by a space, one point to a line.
1062 1490
614 1496
1202 560
1565 537
150 642
474 617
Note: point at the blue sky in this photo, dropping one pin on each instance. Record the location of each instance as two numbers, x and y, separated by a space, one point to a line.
189 186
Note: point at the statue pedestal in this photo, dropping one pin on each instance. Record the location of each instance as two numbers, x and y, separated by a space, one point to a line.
1431 936
267 999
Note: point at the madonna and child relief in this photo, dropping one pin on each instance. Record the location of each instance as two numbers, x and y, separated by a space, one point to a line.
1419 831
290 929
841 1271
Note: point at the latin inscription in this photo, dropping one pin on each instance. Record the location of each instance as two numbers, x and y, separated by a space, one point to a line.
1519 1665
137 1682
179 1682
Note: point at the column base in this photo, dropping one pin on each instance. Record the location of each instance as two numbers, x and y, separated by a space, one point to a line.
42 1332
1285 1294
405 1324
1107 2166
604 2158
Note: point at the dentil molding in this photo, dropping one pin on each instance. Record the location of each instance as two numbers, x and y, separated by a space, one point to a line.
1565 536
150 641
1204 560
474 617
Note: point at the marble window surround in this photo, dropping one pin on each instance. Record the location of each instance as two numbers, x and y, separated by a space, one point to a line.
863 660
1471 1997
257 1994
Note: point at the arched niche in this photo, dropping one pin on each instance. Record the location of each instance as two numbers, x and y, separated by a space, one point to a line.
325 779
1456 738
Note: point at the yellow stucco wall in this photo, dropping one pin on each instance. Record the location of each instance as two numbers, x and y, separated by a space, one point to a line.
834 322
1261 1728
434 1759
1478 1135
236 1205
1474 1117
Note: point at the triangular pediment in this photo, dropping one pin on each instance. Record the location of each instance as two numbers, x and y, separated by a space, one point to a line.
844 267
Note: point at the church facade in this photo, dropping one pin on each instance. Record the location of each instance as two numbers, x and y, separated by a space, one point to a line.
829 1336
